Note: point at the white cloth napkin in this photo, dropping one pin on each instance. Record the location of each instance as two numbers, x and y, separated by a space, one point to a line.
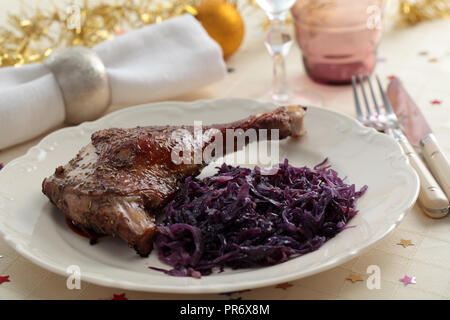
153 63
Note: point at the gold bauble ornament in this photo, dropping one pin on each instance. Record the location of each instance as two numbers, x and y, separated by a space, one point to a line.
223 23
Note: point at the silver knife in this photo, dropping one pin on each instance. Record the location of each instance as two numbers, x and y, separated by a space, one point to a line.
419 133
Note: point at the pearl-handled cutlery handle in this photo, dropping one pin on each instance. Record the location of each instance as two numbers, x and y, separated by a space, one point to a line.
437 162
431 197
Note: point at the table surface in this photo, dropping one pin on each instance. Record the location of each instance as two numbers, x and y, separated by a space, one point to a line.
420 57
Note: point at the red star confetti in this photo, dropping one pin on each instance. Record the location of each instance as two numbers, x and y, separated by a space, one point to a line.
405 243
408 280
283 285
119 297
4 279
435 101
390 77
354 278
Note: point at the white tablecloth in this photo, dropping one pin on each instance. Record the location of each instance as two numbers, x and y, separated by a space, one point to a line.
426 77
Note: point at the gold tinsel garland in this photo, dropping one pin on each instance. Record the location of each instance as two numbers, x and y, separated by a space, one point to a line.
31 37
415 11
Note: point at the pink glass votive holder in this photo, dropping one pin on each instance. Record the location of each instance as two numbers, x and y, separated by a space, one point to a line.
338 38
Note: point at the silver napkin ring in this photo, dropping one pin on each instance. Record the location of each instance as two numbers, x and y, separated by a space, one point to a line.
83 81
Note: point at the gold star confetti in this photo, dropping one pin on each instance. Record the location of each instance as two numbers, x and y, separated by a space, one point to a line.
433 60
354 277
283 285
405 243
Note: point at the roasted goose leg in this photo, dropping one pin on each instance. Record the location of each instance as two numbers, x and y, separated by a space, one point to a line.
119 182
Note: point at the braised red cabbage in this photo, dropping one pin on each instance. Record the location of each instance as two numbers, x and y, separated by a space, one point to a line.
240 218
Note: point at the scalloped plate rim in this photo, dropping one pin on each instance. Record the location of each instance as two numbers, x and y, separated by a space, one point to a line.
128 285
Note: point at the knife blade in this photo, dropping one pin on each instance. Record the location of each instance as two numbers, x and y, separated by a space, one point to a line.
419 133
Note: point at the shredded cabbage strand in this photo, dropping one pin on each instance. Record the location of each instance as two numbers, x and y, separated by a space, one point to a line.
240 218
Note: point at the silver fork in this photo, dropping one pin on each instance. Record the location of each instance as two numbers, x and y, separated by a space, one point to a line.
431 197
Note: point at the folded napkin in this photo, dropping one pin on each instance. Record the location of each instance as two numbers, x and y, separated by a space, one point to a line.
153 63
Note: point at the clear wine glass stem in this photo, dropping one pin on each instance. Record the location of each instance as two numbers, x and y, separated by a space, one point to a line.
278 42
280 91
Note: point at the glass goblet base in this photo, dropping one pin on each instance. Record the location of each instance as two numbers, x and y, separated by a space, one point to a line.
294 97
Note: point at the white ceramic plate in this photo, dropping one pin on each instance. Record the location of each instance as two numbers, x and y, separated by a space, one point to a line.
37 230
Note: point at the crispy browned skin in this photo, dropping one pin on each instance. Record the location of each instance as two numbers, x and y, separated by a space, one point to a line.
119 182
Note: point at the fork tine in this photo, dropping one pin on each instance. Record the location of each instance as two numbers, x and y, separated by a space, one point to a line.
359 113
374 98
386 103
361 83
